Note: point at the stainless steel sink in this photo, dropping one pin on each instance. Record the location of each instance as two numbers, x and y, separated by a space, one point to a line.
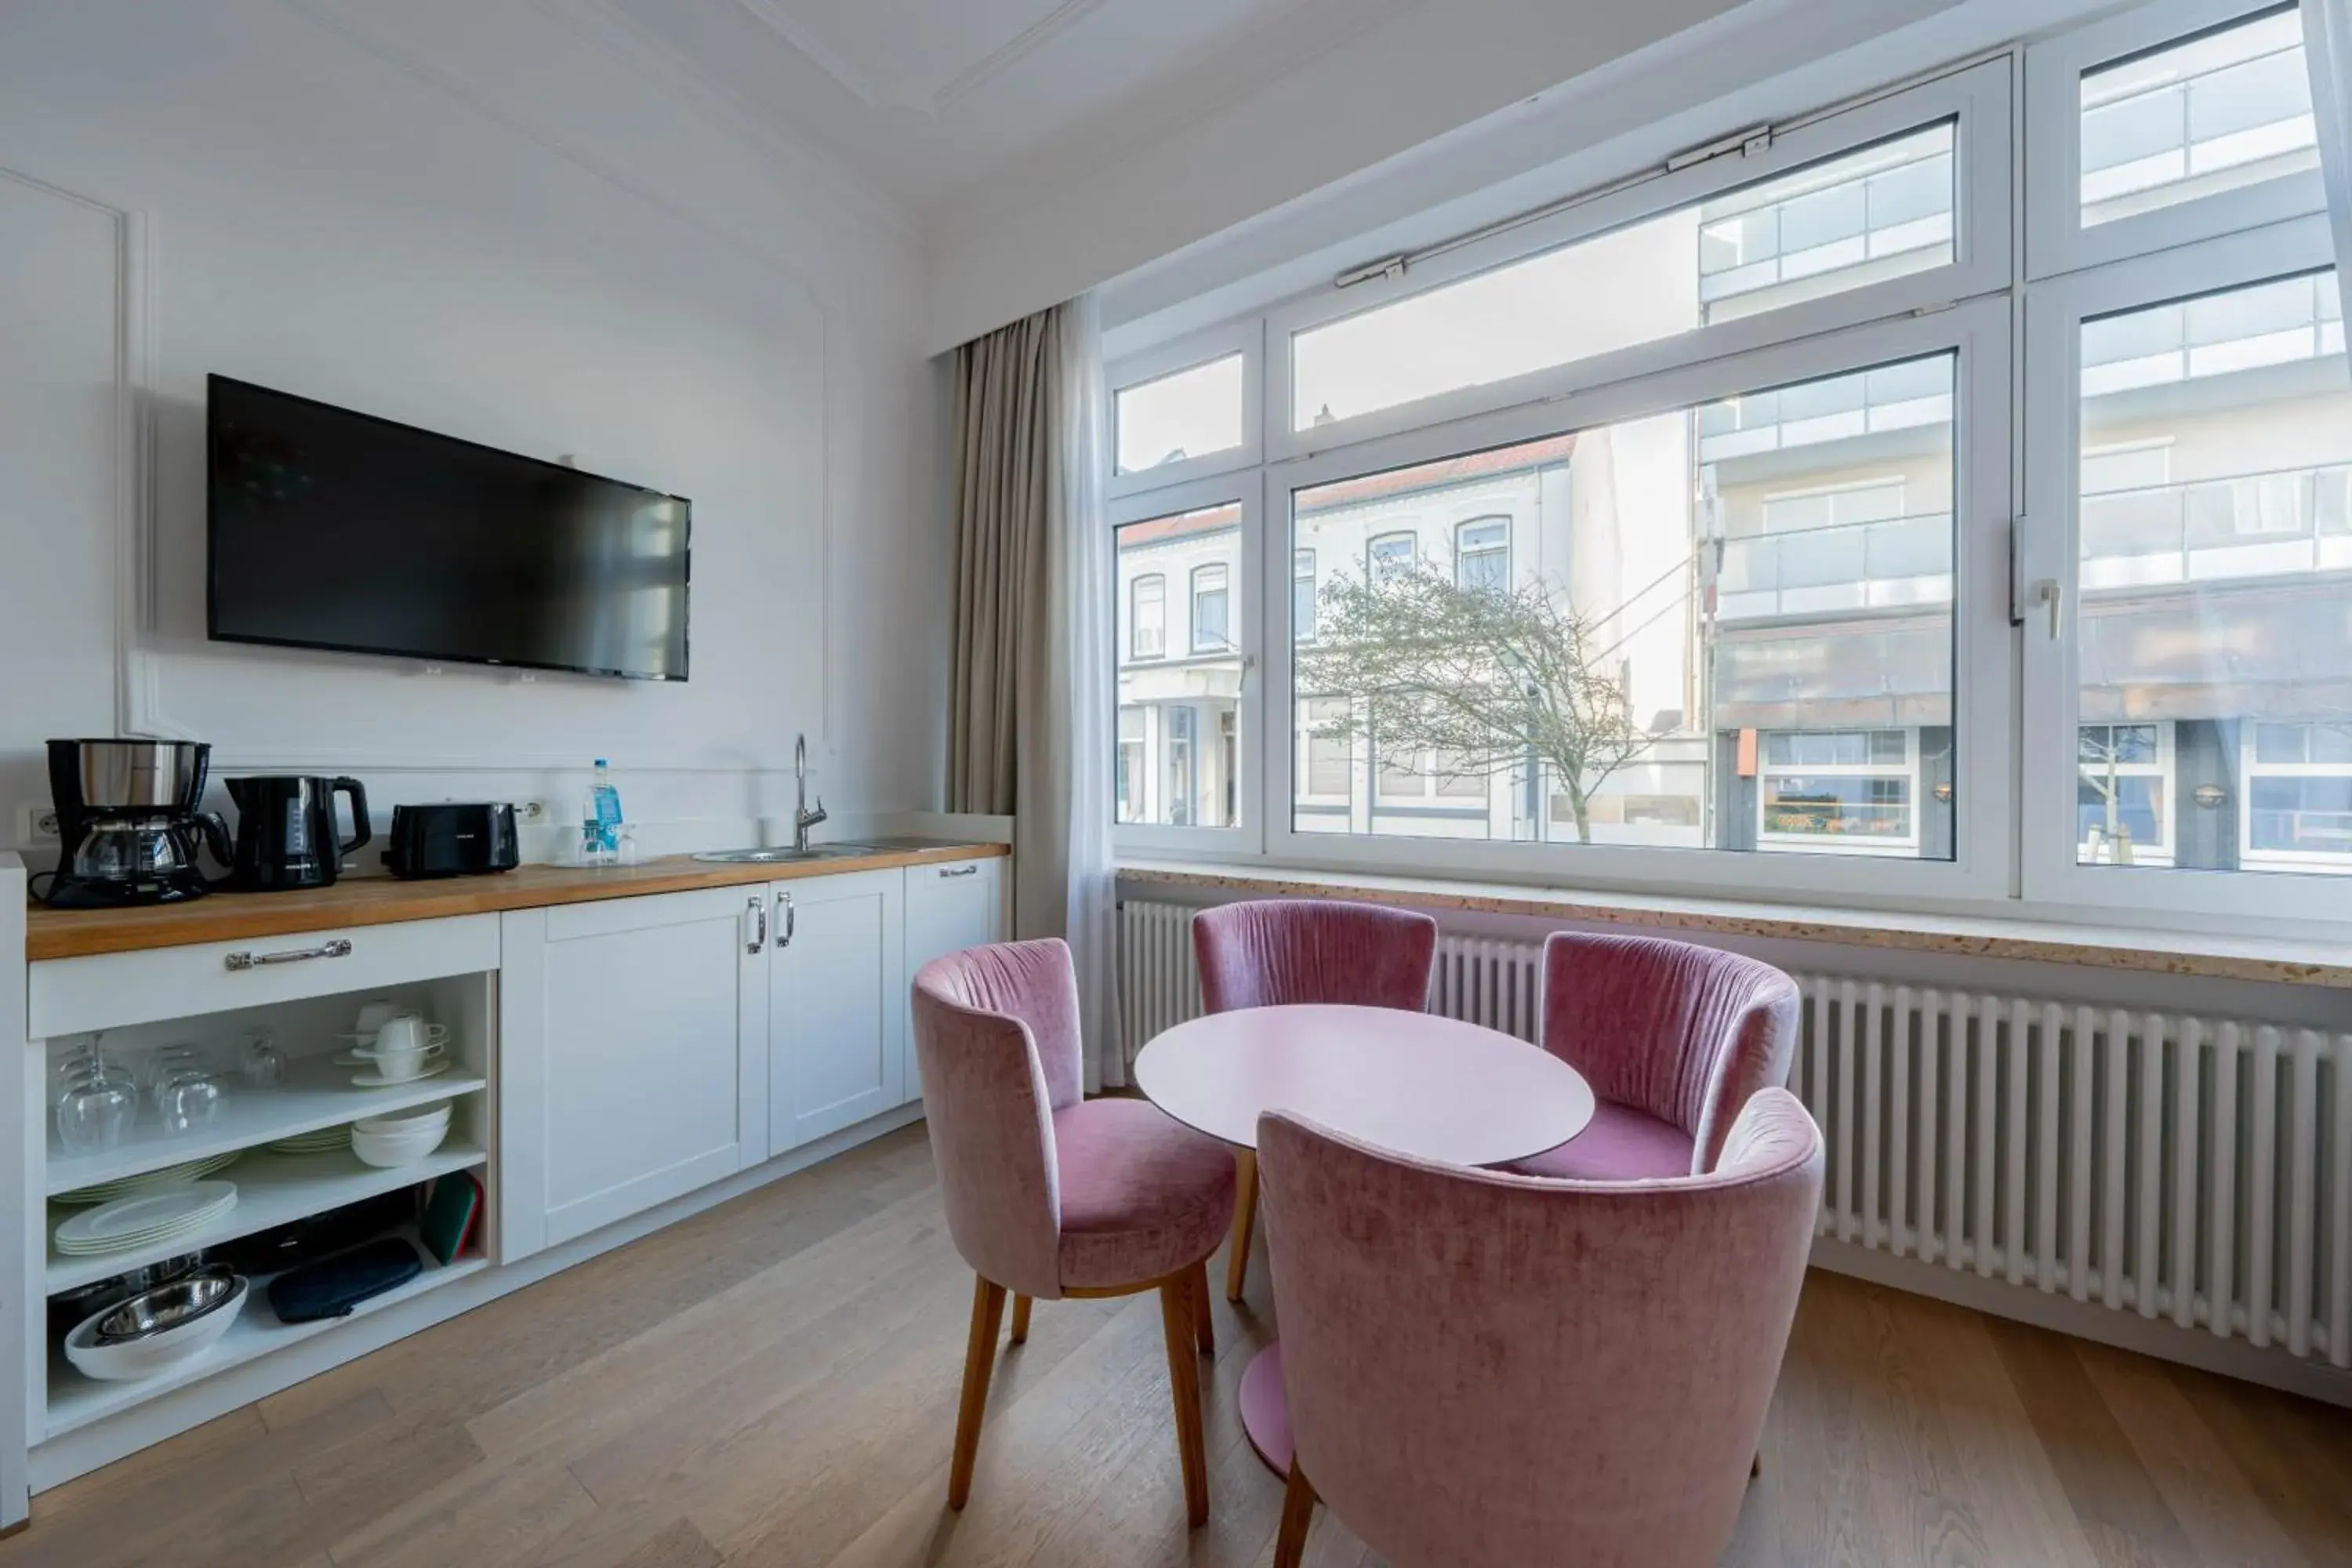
775 856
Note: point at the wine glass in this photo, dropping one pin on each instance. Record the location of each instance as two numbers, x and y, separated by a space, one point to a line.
191 1096
97 1103
262 1065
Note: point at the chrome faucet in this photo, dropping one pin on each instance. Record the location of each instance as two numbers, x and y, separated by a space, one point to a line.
802 817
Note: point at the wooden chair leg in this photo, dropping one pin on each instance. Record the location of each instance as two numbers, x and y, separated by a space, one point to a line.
1020 1320
1298 1514
978 1357
1245 1221
1204 1328
1185 1378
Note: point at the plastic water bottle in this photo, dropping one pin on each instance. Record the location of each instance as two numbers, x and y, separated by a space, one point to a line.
607 803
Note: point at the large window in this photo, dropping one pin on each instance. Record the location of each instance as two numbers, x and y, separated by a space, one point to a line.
2225 109
1628 606
2213 571
1746 524
1860 219
1172 418
1179 684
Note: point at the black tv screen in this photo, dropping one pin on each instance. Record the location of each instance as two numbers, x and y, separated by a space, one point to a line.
334 530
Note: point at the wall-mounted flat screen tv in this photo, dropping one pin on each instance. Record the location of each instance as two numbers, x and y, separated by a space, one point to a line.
328 528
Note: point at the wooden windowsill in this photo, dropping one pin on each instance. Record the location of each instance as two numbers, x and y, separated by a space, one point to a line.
2260 959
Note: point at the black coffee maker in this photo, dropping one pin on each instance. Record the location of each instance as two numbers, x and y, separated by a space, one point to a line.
285 835
129 823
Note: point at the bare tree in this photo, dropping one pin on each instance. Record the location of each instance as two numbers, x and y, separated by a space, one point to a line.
1488 679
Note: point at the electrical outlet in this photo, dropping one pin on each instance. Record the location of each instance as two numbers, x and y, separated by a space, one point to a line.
532 811
37 823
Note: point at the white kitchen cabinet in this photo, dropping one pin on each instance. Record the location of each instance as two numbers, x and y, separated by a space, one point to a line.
950 907
635 1051
837 1019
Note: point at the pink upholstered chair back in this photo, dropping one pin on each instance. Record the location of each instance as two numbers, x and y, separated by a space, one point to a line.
1487 1368
1683 1032
1273 952
996 1035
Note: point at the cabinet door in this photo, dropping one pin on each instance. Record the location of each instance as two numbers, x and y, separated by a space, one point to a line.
836 1025
949 907
633 1049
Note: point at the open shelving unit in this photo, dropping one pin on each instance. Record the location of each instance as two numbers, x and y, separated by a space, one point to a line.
75 1401
271 1190
315 1094
275 1188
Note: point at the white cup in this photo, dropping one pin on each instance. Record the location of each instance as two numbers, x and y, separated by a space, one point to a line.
405 1045
373 1014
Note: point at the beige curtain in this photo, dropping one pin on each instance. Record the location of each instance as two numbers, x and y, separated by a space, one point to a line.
1030 732
1004 451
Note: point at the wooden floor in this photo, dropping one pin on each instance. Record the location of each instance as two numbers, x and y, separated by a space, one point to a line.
775 1383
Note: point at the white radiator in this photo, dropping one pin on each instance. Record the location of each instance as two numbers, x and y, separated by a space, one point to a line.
2189 1168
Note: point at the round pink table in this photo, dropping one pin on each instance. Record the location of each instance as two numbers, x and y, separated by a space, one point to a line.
1436 1088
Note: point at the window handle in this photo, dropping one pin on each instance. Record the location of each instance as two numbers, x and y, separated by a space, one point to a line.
2049 591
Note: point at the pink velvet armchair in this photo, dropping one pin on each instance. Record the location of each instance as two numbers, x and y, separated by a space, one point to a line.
1486 1368
1275 953
1049 1194
1674 1038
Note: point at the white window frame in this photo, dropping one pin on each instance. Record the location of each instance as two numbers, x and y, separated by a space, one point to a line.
2048 558
1245 338
2160 770
1244 613
1976 99
2056 240
2281 860
1885 845
1983 655
1226 587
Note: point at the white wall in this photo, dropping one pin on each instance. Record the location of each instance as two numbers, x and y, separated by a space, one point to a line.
492 222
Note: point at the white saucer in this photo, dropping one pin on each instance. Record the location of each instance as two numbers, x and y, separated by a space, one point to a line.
372 1080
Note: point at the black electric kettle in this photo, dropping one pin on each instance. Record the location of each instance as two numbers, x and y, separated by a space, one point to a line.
286 831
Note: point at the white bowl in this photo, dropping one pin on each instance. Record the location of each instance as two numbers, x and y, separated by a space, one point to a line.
145 1358
405 1121
386 1149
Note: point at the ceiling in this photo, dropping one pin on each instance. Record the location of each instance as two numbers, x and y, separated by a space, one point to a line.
931 99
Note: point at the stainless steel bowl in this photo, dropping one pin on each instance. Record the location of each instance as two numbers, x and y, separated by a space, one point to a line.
139 774
71 1307
169 1306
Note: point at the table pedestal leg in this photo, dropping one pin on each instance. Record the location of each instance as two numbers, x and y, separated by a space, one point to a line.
1265 1409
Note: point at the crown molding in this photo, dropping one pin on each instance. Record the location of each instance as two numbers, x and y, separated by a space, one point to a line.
881 92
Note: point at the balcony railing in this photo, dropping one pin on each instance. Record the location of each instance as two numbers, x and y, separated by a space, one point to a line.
2235 112
1886 565
2253 525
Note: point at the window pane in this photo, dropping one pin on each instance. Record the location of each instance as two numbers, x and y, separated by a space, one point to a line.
1662 652
1180 686
1854 220
2214 624
1302 595
1212 629
2218 113
1188 415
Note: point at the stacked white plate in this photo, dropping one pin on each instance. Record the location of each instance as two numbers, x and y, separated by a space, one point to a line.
402 1138
146 1220
169 1176
318 1141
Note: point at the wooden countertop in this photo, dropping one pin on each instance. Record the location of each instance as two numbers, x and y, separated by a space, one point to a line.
2267 960
385 901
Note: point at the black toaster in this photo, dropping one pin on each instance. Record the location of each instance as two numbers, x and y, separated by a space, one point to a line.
451 839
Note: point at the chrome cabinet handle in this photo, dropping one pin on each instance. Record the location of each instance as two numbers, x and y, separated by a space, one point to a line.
759 938
790 916
971 870
338 948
